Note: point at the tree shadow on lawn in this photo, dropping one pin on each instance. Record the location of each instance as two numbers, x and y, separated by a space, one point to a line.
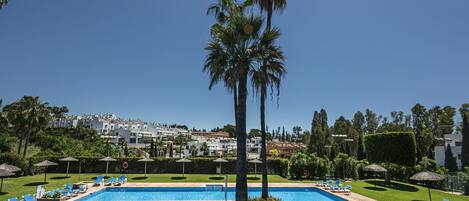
139 178
396 186
253 178
62 177
375 188
216 178
178 178
3 193
36 183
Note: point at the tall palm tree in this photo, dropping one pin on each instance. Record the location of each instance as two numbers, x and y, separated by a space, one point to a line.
3 3
222 69
28 116
236 46
269 74
269 6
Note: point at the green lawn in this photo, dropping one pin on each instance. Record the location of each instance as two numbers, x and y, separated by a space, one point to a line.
16 187
400 192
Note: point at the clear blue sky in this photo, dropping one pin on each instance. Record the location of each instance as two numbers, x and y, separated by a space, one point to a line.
143 59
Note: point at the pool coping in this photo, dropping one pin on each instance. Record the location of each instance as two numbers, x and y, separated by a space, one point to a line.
351 197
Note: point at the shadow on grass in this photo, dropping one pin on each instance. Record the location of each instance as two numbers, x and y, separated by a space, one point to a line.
396 186
3 193
56 178
419 200
216 178
36 183
178 178
139 178
253 178
375 188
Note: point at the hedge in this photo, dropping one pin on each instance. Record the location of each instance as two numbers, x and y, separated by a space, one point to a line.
160 165
395 147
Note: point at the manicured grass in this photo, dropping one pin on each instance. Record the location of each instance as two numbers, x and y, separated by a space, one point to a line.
400 192
16 187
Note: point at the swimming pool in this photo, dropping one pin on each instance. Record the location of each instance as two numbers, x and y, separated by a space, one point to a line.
172 194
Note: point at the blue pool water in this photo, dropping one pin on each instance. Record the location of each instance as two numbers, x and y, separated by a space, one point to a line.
172 194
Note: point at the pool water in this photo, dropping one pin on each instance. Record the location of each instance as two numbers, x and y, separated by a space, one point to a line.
172 194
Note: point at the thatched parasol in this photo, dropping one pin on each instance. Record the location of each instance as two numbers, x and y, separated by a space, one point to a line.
183 161
146 160
3 174
255 161
9 168
107 160
220 161
68 160
374 168
45 164
427 176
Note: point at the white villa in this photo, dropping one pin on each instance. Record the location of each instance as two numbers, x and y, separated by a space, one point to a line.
455 142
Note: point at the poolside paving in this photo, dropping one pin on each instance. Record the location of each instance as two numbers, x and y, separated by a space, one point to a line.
351 197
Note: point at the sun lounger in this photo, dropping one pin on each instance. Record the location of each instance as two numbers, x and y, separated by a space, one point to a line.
98 181
13 199
110 182
121 180
28 197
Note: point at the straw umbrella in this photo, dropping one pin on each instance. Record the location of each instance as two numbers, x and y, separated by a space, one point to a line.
45 164
183 161
146 160
220 161
3 174
255 161
107 160
9 168
427 176
375 168
68 160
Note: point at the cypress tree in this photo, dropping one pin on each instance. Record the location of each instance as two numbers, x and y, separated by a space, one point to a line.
465 141
450 160
152 148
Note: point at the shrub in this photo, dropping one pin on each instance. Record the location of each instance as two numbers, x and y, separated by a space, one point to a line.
160 165
466 188
395 147
298 165
13 159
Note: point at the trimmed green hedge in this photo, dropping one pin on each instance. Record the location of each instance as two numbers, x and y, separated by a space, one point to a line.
395 147
161 165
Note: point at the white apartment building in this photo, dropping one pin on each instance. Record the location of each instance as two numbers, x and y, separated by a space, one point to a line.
455 142
222 146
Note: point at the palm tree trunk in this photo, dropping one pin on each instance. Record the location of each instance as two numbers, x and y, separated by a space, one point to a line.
270 10
265 184
20 144
235 101
25 147
241 162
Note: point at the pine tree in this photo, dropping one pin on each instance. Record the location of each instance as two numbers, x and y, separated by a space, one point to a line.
465 142
450 160
152 149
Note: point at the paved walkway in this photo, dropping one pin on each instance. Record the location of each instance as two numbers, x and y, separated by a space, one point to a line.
351 197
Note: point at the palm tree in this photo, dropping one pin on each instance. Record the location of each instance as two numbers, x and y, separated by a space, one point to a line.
28 116
235 48
269 74
270 6
3 3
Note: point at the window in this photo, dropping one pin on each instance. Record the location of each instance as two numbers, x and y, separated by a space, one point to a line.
132 140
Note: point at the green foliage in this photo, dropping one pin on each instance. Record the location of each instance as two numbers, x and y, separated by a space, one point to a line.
466 187
298 165
465 140
13 159
345 166
397 148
